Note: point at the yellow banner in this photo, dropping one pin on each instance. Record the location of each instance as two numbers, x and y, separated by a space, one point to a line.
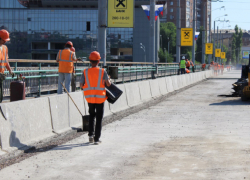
209 48
223 55
217 52
121 13
187 37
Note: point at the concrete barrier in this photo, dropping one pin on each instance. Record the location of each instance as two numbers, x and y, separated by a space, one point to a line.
145 90
121 103
187 77
27 122
75 118
59 106
169 84
155 88
163 85
175 83
133 94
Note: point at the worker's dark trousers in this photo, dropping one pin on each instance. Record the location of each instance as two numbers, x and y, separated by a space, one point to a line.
183 70
95 111
1 91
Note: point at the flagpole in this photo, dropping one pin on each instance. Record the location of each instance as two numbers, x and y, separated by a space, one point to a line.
152 34
194 25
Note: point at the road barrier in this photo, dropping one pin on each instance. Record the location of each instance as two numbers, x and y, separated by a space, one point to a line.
30 121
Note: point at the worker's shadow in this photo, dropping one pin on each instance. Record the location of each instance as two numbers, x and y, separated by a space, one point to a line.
235 102
15 142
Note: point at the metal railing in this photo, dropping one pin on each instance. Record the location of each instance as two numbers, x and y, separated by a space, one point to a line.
42 75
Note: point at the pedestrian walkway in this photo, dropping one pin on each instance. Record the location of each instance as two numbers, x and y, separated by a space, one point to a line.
193 135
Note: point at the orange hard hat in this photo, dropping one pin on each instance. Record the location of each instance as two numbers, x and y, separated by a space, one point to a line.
4 35
69 43
72 49
94 56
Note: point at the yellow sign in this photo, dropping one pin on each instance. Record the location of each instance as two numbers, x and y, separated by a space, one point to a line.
121 13
223 55
187 37
209 48
217 52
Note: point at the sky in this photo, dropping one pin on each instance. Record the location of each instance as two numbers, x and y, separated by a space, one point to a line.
237 13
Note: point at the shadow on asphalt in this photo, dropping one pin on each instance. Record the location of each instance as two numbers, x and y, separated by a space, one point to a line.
231 103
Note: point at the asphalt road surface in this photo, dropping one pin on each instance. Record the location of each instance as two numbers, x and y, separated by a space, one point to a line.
193 135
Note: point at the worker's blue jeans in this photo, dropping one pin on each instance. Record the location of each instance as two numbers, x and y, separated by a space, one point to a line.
64 77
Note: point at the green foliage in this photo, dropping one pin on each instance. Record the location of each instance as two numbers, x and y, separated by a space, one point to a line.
168 32
163 56
236 45
198 56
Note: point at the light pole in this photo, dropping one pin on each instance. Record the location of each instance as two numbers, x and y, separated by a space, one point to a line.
144 49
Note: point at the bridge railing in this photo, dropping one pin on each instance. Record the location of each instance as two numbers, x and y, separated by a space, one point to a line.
42 75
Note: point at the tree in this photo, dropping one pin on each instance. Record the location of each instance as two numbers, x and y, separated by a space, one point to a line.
236 45
168 33
198 56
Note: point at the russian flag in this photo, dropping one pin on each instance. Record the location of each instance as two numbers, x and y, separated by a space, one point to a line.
196 35
158 10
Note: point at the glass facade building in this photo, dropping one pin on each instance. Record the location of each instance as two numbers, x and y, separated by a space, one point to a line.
38 33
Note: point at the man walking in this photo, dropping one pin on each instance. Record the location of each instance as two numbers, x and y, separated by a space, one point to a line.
93 83
66 60
4 63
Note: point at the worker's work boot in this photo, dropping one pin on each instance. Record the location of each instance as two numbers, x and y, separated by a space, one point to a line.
91 139
97 142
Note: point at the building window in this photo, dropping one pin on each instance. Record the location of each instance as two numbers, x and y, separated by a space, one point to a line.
171 17
88 26
171 10
171 3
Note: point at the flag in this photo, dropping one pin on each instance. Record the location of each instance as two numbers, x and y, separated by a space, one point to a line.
196 35
158 10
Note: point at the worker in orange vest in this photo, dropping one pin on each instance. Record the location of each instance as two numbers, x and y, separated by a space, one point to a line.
93 83
4 63
222 68
187 64
66 59
203 67
215 69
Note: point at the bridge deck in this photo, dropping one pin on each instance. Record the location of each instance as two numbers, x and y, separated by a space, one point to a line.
194 134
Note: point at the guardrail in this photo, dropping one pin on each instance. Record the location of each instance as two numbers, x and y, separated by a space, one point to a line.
41 75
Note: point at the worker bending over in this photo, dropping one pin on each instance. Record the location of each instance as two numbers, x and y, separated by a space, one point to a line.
4 63
93 83
66 60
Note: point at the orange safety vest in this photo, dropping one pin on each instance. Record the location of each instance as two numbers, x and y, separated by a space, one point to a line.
188 64
203 65
66 63
3 58
94 89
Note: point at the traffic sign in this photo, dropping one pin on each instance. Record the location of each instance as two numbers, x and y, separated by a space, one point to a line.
187 37
121 13
223 55
209 48
217 52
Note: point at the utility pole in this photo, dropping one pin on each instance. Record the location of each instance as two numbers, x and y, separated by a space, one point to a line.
217 60
102 19
210 39
152 35
222 45
214 43
194 28
178 34
203 36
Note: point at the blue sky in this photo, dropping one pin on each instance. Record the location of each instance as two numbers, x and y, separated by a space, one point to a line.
238 13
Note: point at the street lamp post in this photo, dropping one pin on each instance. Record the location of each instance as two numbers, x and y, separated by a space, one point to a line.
144 49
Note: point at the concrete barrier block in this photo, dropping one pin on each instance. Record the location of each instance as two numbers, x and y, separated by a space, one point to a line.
155 88
169 84
133 94
145 90
75 118
27 122
107 110
59 106
179 81
121 103
184 80
187 77
163 86
175 83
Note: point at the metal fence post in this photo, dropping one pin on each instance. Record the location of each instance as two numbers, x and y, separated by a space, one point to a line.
39 90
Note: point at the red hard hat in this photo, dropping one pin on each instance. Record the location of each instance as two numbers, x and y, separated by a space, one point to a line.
94 56
72 49
4 35
69 43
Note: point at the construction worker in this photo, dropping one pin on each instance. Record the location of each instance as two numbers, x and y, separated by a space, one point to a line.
187 64
192 64
203 67
222 68
182 66
73 76
93 83
4 63
66 60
